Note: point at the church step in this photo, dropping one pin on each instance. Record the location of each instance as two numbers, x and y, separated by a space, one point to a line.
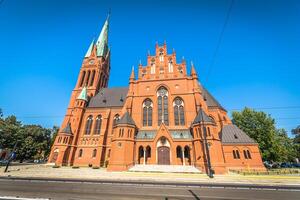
165 168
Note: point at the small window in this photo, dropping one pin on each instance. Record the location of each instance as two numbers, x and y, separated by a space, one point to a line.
249 155
80 153
236 154
94 153
208 131
178 152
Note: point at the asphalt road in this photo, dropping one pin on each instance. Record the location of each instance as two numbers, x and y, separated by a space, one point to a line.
85 190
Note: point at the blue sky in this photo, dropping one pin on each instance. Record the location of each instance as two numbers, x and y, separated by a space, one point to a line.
42 44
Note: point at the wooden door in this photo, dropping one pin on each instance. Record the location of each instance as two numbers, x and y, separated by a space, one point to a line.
163 155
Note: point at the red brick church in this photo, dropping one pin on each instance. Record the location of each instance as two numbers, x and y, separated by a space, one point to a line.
164 117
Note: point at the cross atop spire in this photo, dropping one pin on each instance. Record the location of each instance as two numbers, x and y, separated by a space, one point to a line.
102 41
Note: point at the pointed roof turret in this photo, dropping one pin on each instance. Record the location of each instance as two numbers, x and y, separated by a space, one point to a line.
102 41
193 71
89 51
83 94
202 116
126 119
67 130
132 74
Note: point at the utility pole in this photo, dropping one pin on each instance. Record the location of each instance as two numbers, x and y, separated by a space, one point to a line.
210 170
11 157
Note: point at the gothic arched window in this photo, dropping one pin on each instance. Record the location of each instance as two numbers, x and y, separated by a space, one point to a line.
147 112
98 125
92 78
82 79
88 126
178 111
88 78
162 101
236 154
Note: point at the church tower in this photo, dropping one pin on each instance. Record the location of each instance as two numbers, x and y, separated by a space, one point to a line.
93 76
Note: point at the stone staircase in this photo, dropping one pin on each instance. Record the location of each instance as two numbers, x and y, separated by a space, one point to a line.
165 168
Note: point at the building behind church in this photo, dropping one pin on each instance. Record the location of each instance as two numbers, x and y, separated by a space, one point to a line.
164 117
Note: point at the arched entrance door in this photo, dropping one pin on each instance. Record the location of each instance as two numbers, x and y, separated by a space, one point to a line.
163 155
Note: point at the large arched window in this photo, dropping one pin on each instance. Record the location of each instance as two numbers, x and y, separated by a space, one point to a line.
88 126
147 112
162 101
178 111
98 125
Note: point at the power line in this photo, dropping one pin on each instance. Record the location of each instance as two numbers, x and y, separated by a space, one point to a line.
270 108
219 40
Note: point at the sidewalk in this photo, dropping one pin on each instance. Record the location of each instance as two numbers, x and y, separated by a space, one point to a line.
44 171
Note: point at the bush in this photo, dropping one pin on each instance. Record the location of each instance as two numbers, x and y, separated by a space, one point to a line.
75 167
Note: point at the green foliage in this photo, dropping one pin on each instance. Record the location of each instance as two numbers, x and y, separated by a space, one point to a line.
296 142
274 143
33 141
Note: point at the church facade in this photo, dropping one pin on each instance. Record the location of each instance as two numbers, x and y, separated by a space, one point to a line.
164 117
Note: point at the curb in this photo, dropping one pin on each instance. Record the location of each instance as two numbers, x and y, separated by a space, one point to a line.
157 183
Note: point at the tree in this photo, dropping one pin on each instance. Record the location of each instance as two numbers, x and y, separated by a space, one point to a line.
274 144
9 128
33 140
284 146
296 141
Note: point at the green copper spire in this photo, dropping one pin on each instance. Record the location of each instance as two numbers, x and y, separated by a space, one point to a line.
83 94
102 42
88 53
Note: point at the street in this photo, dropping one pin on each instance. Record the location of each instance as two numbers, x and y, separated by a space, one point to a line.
86 190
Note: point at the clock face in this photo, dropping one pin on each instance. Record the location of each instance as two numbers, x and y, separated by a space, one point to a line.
91 62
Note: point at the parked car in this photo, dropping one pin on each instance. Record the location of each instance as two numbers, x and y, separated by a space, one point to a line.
276 165
285 165
267 164
296 165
